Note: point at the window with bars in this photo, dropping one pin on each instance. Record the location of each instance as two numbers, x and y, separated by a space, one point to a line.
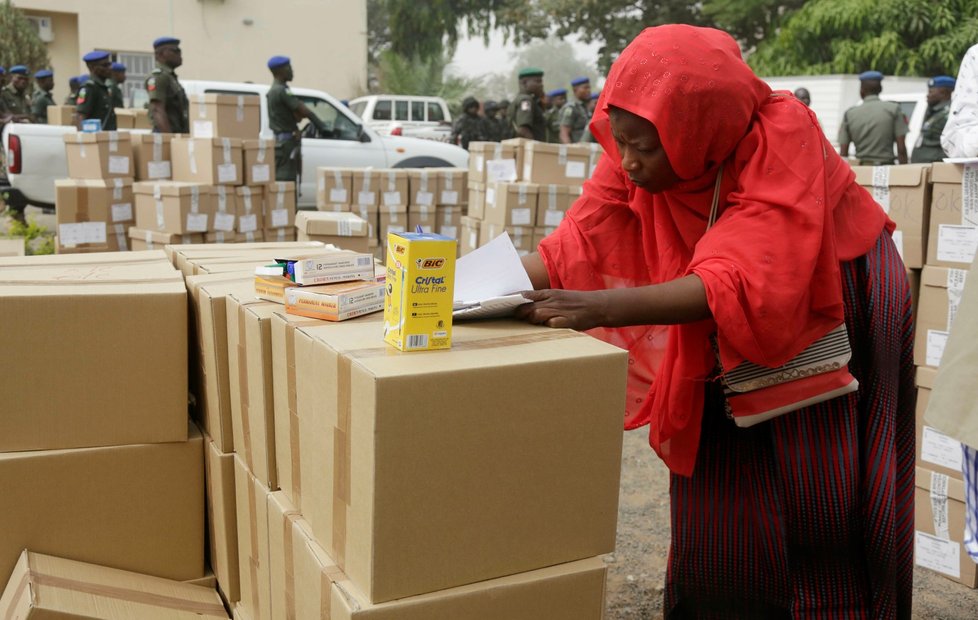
138 67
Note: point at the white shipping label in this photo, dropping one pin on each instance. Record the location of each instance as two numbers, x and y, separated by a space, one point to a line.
939 449
938 504
956 244
224 222
203 129
449 197
575 169
521 217
338 195
122 212
280 218
392 198
248 223
898 242
934 553
197 222
449 231
969 195
158 169
500 170
424 198
261 173
553 218
367 198
227 173
70 235
118 164
936 341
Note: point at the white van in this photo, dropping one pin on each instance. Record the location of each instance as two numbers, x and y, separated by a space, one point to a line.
405 115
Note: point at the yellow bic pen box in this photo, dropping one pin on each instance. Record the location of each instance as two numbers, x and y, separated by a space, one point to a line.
420 289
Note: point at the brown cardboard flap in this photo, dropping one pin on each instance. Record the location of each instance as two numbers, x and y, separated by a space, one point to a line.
947 173
925 377
907 175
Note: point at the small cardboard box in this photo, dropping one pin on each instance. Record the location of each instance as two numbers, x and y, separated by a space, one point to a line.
393 187
477 201
935 450
253 558
469 238
425 217
448 221
940 295
421 281
904 193
63 115
44 586
88 211
213 161
452 186
491 162
225 116
511 204
226 210
101 155
521 236
251 209
552 202
259 161
366 187
335 302
151 154
566 164
334 186
345 230
280 205
141 239
174 207
132 118
939 520
137 507
424 187
953 237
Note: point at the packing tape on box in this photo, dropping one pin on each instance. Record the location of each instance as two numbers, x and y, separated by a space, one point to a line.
226 145
562 154
246 194
222 198
81 145
201 110
288 522
117 189
158 202
253 539
938 504
212 610
337 178
881 186
149 240
497 152
120 236
423 175
521 193
113 141
969 195
192 156
391 180
551 197
367 175
955 288
157 147
280 196
194 199
261 151
239 109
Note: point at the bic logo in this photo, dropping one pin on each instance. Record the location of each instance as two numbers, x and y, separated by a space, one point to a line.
431 263
399 249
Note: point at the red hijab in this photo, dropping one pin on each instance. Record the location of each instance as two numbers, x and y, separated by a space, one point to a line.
790 211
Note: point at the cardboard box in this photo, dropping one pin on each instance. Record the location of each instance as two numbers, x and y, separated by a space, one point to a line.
904 193
251 209
136 507
391 219
939 520
207 581
129 312
452 186
306 582
141 239
393 187
511 204
280 235
469 238
366 187
132 118
101 155
87 212
371 215
252 542
552 203
335 302
338 208
334 186
226 210
935 450
953 235
488 506
174 207
491 162
940 294
425 217
213 161
280 205
63 115
448 221
222 519
424 187
343 230
545 163
594 157
477 201
44 586
521 236
151 156
259 161
225 116
12 247
182 255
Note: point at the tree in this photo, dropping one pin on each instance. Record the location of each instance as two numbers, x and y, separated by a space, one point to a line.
556 58
398 75
19 43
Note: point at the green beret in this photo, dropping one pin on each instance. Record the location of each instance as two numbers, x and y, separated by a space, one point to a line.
530 72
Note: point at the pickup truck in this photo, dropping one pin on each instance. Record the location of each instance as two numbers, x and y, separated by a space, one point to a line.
414 116
35 154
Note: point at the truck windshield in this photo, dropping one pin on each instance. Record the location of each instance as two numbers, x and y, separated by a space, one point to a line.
340 127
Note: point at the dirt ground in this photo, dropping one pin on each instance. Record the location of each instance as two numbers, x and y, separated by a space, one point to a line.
637 568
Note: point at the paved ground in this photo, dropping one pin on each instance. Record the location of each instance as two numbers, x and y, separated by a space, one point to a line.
637 568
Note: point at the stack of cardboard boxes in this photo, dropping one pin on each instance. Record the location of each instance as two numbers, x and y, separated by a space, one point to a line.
937 235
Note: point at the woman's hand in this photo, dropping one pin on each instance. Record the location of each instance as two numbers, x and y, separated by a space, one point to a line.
580 310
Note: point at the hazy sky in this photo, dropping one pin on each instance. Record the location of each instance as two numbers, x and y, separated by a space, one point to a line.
473 58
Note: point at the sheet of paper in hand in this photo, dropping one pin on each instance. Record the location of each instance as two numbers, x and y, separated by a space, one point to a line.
488 281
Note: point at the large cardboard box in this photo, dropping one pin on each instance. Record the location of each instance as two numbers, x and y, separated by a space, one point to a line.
253 558
553 202
92 214
391 219
45 587
222 520
904 193
477 200
522 237
491 162
334 187
468 240
393 187
953 236
129 312
137 507
132 118
425 217
935 450
371 215
141 239
217 161
345 230
452 184
225 116
511 204
63 115
940 295
448 221
308 585
251 208
226 210
280 205
366 187
12 247
183 255
259 161
101 155
487 506
545 163
280 235
151 155
424 188
939 521
174 207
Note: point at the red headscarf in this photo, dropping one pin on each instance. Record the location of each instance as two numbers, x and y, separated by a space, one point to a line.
790 211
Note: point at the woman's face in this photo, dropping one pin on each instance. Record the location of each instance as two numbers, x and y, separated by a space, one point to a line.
642 157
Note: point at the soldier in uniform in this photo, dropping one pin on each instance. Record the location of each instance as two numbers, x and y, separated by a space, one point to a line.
284 113
928 148
94 99
469 127
42 96
73 83
557 99
574 117
116 80
490 125
802 95
168 105
525 111
874 125
503 120
16 102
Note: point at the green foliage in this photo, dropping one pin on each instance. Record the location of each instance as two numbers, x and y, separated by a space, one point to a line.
398 75
19 43
556 58
37 239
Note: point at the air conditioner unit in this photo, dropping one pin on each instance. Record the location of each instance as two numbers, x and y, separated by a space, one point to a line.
45 28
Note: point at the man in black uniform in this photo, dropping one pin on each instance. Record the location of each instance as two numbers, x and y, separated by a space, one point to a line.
503 120
284 112
94 97
469 127
525 111
168 105
44 79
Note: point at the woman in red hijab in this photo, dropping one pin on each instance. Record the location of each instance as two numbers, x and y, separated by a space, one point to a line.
808 514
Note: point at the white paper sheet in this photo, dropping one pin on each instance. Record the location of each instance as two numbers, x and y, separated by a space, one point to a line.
488 279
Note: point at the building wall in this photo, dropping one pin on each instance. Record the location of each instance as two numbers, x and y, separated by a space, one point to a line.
221 39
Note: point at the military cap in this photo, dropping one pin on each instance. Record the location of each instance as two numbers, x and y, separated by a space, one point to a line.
95 56
118 66
2 71
530 72
595 96
278 61
941 81
870 76
557 92
75 80
44 73
490 105
580 80
18 70
83 78
165 41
